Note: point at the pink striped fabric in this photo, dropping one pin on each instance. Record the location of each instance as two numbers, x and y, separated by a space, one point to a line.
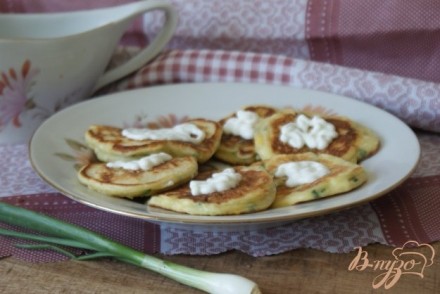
415 211
394 37
397 37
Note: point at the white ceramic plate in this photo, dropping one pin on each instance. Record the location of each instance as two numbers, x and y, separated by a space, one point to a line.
54 145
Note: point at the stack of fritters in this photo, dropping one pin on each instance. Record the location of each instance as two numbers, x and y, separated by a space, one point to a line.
255 159
236 150
109 144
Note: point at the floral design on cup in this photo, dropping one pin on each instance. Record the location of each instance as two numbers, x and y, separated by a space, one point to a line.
15 93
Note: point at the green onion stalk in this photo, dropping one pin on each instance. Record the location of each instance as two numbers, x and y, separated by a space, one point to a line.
56 232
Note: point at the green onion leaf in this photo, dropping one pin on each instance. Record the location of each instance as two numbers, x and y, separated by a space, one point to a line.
65 234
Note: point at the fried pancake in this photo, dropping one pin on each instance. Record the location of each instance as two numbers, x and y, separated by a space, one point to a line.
255 192
121 182
343 176
234 149
109 144
353 142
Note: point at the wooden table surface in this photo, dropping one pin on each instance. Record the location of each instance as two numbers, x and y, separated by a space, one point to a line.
297 271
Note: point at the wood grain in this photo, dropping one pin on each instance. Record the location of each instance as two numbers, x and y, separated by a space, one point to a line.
297 271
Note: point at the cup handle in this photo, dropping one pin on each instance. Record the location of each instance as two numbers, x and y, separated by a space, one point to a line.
148 52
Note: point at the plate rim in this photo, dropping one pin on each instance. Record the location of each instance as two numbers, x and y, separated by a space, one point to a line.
213 220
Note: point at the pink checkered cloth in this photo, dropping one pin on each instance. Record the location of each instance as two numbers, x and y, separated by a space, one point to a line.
407 213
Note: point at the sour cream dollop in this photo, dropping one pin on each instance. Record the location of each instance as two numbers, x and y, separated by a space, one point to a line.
144 163
315 133
218 182
242 125
301 172
186 132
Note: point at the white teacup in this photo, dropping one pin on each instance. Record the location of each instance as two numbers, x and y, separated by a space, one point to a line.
51 60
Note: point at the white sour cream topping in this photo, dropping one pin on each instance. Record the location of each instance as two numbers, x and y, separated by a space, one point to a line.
186 132
315 133
144 163
242 125
218 182
301 172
